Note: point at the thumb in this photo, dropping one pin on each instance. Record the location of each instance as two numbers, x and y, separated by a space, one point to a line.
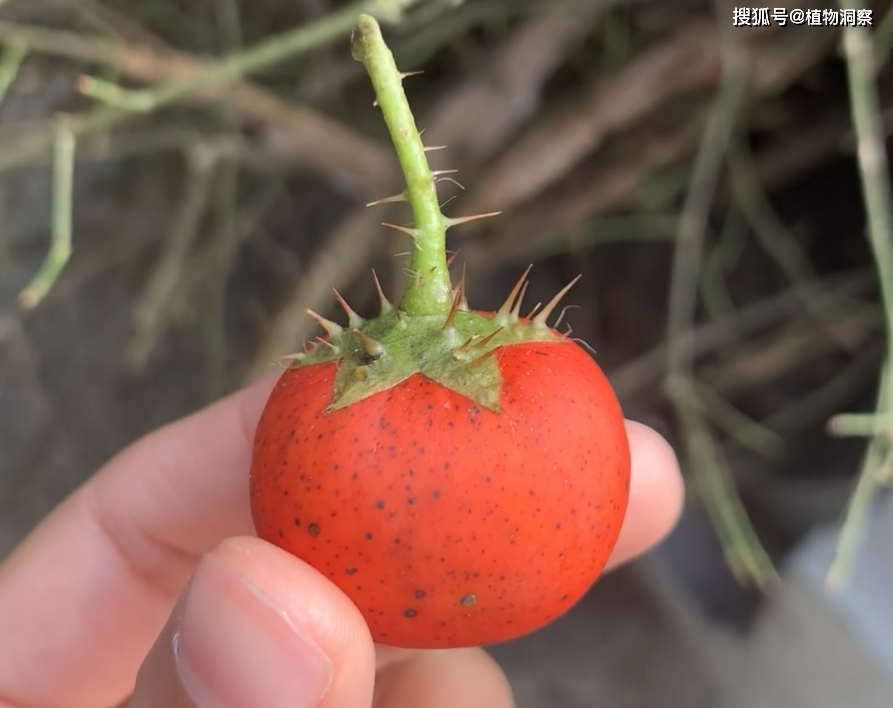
257 627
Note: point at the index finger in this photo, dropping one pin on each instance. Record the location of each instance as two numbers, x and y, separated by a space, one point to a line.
88 591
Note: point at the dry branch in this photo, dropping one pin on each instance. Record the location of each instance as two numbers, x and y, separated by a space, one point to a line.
348 158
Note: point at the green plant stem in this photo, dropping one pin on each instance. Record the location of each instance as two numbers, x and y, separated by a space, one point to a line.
266 53
429 291
876 188
861 425
10 61
60 249
744 553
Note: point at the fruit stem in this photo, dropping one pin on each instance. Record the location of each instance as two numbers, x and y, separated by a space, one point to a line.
428 290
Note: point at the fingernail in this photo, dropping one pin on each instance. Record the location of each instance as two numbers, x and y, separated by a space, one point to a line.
236 649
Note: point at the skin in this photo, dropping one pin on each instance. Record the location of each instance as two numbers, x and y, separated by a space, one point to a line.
448 524
159 544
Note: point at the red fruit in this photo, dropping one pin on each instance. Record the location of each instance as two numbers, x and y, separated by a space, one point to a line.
461 476
449 524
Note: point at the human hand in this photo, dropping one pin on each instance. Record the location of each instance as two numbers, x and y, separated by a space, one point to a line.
151 570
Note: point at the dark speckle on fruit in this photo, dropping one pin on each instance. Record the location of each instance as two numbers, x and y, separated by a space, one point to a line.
469 600
379 504
420 594
313 529
409 612
350 570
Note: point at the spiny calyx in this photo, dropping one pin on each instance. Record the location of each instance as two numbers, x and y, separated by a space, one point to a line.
456 350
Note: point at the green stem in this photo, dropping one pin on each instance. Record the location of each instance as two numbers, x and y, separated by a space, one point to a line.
60 248
10 62
429 291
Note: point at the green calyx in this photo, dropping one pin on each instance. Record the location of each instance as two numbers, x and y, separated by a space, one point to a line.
455 350
432 331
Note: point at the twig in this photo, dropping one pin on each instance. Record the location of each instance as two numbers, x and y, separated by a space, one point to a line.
813 407
160 295
10 61
743 550
775 238
875 175
742 428
651 367
190 78
60 248
861 425
689 59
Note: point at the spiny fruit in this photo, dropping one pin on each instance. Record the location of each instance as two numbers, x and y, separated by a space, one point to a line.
462 476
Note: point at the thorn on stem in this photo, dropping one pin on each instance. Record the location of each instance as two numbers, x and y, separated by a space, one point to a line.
516 310
412 233
320 340
353 319
489 338
372 346
456 221
462 350
386 305
389 200
477 363
509 303
457 301
332 328
553 303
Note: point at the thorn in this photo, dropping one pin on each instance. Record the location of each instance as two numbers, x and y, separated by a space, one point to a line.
389 200
462 350
361 373
438 180
320 340
375 103
477 363
533 311
516 310
404 254
457 299
386 305
289 359
372 346
489 338
432 148
563 312
353 319
553 303
456 221
510 300
332 328
438 173
407 74
413 233
463 303
452 257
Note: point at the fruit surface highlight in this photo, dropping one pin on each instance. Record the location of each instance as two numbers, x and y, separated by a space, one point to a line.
462 476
